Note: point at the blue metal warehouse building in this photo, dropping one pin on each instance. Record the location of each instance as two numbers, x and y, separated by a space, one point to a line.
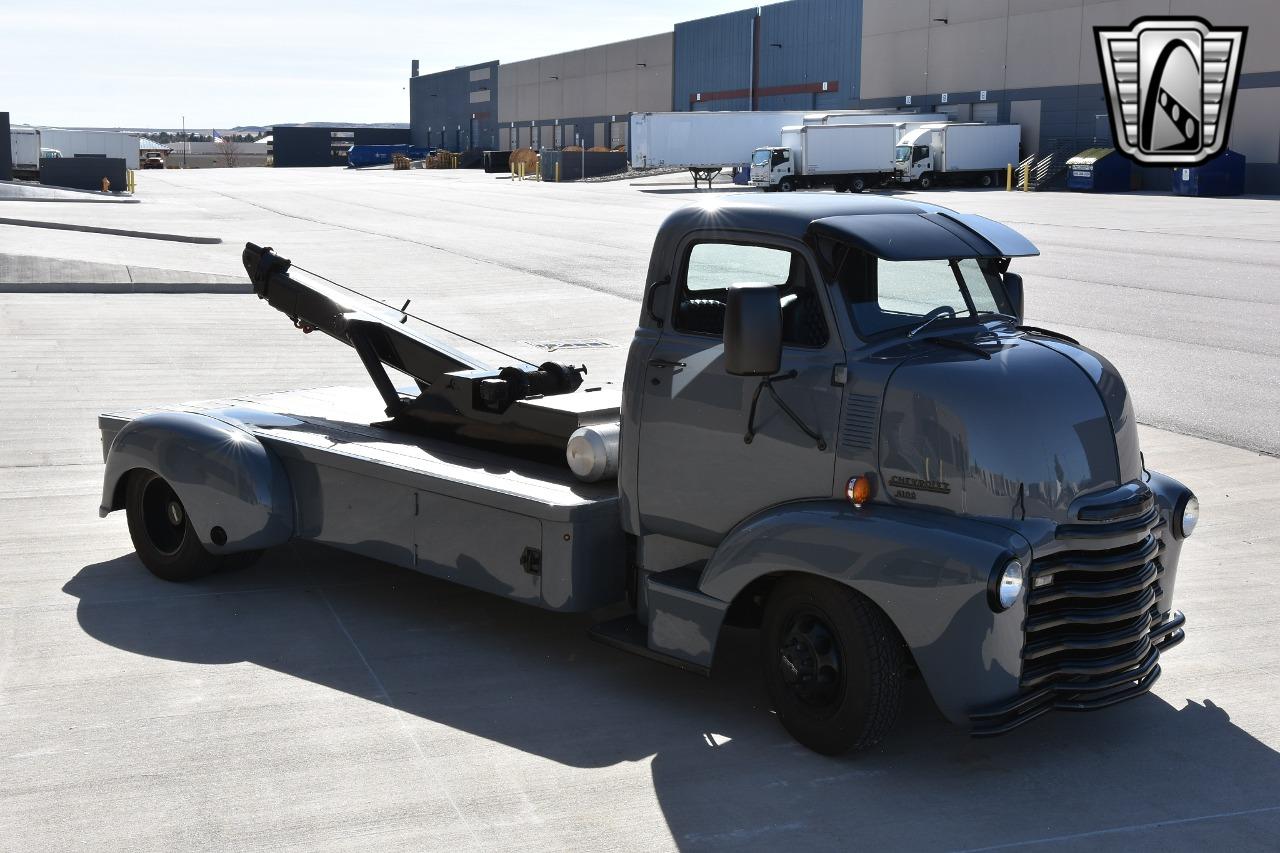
1029 62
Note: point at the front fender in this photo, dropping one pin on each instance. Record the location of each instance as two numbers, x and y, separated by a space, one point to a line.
222 473
929 572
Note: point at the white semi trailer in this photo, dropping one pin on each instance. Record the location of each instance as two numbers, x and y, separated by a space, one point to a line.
92 143
969 153
706 143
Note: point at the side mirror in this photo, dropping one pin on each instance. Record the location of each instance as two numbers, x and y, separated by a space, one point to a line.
753 330
1013 289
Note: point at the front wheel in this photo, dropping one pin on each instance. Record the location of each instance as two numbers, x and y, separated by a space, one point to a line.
162 533
926 181
833 665
787 185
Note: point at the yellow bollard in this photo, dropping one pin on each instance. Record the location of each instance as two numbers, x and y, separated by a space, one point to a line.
522 171
1026 179
557 171
1008 178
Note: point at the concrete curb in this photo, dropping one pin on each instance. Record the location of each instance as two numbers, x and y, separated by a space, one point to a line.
127 287
118 232
87 200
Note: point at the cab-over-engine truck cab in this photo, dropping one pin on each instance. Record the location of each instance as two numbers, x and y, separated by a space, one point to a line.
833 426
836 427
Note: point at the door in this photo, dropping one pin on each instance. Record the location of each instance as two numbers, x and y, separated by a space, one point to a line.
1026 114
697 476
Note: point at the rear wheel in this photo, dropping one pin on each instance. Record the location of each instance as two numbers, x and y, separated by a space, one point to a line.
858 185
987 179
832 664
162 533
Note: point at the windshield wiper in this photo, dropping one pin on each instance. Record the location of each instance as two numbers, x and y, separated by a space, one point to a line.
936 314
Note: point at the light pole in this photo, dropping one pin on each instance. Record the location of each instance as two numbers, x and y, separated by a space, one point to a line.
186 143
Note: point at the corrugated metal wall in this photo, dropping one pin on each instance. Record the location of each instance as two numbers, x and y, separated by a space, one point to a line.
713 59
455 109
804 44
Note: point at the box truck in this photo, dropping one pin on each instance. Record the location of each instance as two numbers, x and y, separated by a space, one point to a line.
27 149
849 157
969 153
707 142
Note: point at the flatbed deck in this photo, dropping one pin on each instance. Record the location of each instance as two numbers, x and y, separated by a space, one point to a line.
525 529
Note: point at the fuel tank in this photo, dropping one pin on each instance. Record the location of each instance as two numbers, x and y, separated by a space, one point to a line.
1017 435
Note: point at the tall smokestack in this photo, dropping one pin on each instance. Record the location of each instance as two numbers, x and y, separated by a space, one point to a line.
414 69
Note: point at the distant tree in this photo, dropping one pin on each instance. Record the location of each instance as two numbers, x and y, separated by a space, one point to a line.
229 150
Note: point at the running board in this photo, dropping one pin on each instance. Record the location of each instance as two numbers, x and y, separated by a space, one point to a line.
628 634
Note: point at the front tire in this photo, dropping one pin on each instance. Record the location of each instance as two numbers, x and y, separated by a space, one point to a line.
833 665
926 181
787 185
162 533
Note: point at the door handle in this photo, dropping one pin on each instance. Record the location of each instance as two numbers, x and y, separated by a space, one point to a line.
662 362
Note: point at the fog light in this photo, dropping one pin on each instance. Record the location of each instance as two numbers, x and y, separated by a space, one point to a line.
1189 516
1006 585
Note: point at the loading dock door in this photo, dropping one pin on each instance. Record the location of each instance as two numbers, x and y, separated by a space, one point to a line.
599 137
987 112
1027 115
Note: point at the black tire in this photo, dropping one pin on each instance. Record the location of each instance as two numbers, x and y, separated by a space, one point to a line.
858 185
926 181
161 531
833 665
787 184
987 179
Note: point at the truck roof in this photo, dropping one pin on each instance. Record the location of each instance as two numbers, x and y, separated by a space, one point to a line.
889 228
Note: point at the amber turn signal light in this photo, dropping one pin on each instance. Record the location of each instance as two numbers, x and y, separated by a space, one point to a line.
858 490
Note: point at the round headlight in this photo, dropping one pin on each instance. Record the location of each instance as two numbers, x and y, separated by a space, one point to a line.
1008 586
1190 515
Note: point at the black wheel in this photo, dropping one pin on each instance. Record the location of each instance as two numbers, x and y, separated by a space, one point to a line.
787 184
926 181
162 533
987 179
832 664
858 185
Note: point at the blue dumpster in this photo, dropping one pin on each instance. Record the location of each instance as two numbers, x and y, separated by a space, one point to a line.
1223 175
742 175
1099 170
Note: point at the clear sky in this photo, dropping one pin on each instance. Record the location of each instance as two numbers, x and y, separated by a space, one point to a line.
223 63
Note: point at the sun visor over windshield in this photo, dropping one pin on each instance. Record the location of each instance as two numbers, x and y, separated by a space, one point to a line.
924 236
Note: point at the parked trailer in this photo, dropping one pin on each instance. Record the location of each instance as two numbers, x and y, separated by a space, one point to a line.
849 157
970 153
92 143
882 493
707 142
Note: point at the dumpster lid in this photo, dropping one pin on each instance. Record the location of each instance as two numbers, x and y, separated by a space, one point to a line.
1090 156
936 235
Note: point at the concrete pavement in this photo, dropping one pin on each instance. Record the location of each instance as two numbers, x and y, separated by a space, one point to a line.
320 701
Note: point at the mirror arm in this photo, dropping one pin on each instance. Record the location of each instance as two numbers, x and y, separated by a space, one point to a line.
767 382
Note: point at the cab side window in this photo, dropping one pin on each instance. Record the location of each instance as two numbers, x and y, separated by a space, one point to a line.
711 268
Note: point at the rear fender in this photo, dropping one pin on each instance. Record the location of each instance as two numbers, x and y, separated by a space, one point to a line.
222 473
929 572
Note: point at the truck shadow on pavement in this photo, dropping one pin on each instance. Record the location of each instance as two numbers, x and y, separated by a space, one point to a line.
724 772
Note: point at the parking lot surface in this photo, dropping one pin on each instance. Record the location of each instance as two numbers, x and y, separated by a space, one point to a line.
320 701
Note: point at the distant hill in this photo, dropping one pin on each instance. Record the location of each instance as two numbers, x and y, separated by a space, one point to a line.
253 128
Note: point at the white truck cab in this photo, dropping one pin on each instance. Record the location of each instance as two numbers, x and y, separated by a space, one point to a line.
774 167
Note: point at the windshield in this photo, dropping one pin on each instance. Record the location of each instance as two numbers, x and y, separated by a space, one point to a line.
884 295
760 157
902 152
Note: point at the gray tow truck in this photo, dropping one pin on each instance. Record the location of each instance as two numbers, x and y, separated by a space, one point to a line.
833 426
